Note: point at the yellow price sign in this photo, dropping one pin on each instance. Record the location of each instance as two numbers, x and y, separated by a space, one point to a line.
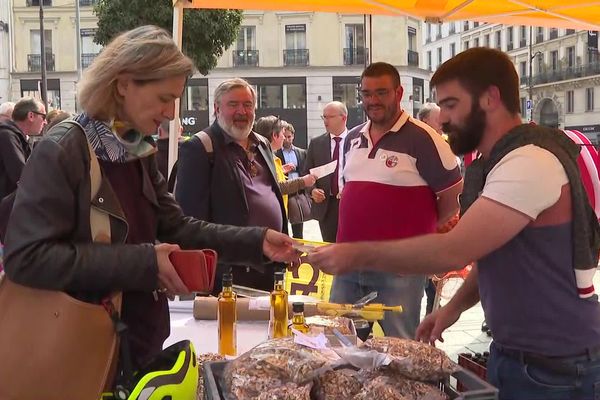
309 280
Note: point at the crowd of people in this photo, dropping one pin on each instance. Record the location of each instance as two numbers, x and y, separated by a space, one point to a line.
526 221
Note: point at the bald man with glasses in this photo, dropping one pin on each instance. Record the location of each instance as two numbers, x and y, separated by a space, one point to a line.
322 150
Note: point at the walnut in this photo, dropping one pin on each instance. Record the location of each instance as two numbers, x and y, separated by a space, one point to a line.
202 358
415 360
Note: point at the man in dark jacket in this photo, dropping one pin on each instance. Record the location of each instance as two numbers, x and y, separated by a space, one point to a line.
235 182
29 117
293 159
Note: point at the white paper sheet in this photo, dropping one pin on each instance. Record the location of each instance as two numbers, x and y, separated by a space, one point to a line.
323 170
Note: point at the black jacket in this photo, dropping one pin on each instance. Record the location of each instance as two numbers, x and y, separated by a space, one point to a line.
214 191
49 244
300 156
14 152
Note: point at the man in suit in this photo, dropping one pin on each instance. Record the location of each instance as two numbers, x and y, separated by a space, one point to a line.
322 150
235 183
293 159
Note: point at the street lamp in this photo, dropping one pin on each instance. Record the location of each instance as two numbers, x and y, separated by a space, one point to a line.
532 55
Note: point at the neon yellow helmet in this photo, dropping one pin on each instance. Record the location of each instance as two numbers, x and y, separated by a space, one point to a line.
172 374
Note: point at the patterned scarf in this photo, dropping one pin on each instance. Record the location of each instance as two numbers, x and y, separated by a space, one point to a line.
110 147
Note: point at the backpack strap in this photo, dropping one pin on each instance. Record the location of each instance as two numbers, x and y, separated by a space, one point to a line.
207 141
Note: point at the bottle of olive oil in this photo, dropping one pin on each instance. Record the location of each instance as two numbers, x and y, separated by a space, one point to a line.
278 323
227 317
298 321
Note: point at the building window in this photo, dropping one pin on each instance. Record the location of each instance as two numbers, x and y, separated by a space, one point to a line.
30 88
475 24
287 96
522 36
429 61
452 49
34 59
354 52
195 98
589 99
345 89
87 3
523 105
486 40
523 69
412 38
554 58
89 49
539 35
553 33
540 63
36 3
569 31
452 28
246 39
570 101
476 42
571 56
245 53
499 40
294 96
509 38
428 38
439 56
270 96
465 26
295 52
466 45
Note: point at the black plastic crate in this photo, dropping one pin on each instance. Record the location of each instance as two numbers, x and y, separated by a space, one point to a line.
478 389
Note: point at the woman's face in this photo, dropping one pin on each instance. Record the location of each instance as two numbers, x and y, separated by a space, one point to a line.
146 105
278 139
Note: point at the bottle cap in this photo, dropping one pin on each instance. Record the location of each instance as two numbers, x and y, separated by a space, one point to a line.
298 307
279 276
227 278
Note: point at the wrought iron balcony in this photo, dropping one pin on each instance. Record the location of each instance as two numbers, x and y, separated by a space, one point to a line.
36 3
522 42
87 58
86 3
413 58
356 56
34 62
579 71
245 58
295 57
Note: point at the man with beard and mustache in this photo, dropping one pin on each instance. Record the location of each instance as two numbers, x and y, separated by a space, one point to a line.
235 183
401 180
527 222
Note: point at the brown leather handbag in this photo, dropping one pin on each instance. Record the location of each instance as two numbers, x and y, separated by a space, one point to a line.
53 346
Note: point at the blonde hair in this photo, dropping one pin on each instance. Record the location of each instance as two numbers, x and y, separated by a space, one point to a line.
148 53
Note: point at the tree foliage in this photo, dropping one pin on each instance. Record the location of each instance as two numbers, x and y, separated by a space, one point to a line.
206 33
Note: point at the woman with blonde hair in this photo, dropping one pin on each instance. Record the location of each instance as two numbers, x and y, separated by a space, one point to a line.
127 92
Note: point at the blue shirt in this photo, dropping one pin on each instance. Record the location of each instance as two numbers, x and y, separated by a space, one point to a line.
289 157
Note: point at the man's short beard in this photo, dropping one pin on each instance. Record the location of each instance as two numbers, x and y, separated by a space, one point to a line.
236 133
464 140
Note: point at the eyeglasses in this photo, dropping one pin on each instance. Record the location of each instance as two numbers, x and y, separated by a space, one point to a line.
39 113
326 117
378 93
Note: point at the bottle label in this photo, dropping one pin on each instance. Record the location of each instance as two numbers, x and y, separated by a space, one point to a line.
318 342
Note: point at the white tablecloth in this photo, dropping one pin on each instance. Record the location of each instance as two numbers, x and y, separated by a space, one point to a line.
204 334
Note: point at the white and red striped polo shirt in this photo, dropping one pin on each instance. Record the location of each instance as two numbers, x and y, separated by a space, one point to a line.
390 188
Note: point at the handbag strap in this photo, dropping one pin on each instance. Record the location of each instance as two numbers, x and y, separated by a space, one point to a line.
101 233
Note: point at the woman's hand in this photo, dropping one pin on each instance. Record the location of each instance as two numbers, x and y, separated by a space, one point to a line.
167 276
278 247
309 180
